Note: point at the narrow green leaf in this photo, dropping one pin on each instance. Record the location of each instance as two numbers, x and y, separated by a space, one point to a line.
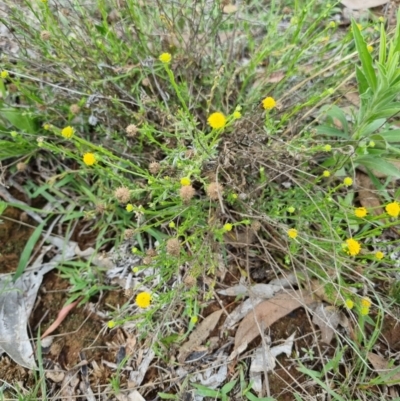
27 252
382 45
372 127
379 164
228 387
205 391
397 35
362 81
252 397
365 57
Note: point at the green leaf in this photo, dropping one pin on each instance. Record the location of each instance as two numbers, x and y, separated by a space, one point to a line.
331 131
27 252
3 207
252 397
20 120
336 112
365 57
362 81
391 136
10 149
379 164
382 45
372 127
316 377
205 391
228 387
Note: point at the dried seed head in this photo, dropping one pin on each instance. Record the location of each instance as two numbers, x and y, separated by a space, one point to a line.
74 109
189 281
154 168
173 247
21 166
214 190
256 225
100 208
147 260
12 88
24 217
189 154
45 35
122 194
131 130
186 193
151 252
113 16
128 233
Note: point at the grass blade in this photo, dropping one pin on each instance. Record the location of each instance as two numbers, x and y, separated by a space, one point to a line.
27 252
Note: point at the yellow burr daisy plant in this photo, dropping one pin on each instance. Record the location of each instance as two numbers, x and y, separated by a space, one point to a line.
89 159
393 209
269 103
217 120
165 58
143 300
67 132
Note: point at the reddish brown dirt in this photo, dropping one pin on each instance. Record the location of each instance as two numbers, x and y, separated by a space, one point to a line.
80 331
13 236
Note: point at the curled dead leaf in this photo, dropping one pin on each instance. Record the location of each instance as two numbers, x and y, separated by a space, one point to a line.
199 335
265 314
229 9
367 194
383 368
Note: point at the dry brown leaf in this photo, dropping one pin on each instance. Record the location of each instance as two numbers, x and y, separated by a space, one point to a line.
383 368
266 313
327 318
199 335
367 194
353 97
229 9
360 4
241 239
276 77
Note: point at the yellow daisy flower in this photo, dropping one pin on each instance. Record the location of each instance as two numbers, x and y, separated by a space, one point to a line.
349 304
89 159
379 255
348 181
269 103
366 302
393 209
360 212
165 58
228 227
292 233
185 181
143 300
217 120
353 247
67 132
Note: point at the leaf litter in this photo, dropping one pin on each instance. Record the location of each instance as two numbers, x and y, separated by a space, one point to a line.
265 314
